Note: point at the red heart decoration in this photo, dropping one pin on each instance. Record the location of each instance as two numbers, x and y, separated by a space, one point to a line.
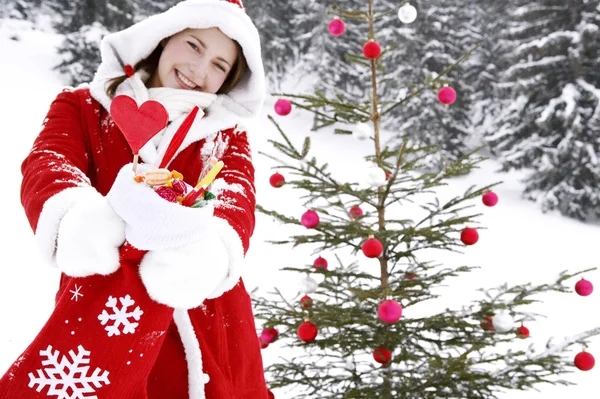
138 125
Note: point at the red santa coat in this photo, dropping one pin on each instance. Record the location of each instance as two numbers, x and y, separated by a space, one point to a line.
91 154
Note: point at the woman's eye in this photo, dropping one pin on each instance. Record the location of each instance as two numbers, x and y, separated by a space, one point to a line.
220 67
193 46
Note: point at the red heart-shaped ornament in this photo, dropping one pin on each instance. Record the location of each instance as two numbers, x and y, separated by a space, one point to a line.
138 125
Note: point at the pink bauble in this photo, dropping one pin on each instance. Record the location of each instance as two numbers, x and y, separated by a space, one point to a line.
320 263
336 27
447 95
283 107
356 212
268 335
389 311
310 219
584 287
490 198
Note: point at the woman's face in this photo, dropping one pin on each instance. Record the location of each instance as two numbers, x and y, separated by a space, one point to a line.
196 59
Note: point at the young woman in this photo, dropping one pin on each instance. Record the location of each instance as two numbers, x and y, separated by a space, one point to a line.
151 304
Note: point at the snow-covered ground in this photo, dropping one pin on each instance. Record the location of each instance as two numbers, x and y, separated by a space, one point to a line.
519 244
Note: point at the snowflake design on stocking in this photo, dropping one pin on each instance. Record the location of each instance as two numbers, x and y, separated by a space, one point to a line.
68 379
120 316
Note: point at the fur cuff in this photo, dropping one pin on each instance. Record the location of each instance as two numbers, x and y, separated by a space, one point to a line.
89 237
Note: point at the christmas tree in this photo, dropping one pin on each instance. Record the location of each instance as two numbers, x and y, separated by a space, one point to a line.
361 334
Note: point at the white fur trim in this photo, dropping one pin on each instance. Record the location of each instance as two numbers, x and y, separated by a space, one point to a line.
235 256
193 355
139 40
153 223
182 278
89 237
53 211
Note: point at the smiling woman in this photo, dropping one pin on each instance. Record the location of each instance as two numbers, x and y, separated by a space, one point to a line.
204 60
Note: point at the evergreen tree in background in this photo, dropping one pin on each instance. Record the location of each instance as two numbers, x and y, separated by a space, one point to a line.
551 122
347 334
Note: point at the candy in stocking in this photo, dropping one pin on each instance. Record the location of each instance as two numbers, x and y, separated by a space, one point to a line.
100 342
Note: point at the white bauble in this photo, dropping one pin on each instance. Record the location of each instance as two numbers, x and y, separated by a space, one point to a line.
362 131
407 14
503 322
308 285
375 177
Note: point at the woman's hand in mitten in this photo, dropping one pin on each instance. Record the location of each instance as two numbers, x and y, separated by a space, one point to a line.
152 222
89 237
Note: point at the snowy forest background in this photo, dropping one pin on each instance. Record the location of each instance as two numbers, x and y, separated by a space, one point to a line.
530 94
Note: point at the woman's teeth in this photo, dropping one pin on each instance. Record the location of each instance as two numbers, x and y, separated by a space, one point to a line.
186 81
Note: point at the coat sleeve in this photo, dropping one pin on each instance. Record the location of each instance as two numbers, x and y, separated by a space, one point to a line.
54 172
235 204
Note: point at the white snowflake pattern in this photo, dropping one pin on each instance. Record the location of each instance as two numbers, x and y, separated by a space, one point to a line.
68 379
76 293
120 316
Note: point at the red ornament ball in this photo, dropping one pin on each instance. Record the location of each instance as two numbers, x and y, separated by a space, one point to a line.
584 287
306 301
387 175
277 180
487 324
320 263
372 248
372 50
382 356
469 236
269 335
283 107
356 212
410 275
489 199
447 95
584 361
307 331
336 27
310 219
522 332
389 311
263 345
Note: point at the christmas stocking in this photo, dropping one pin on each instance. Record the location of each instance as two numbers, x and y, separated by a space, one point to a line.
100 342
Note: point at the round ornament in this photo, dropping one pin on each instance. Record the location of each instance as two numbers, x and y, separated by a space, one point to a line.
375 177
382 355
584 287
371 50
584 361
372 248
362 131
307 331
306 301
355 212
308 285
447 95
336 27
269 335
277 180
310 219
489 199
502 322
522 332
407 14
469 236
320 263
389 311
283 107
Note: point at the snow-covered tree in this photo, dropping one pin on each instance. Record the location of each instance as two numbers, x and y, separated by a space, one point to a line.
550 125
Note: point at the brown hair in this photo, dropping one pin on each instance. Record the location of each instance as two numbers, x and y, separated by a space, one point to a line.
150 64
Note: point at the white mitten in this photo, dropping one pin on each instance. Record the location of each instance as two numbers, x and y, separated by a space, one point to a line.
88 239
151 222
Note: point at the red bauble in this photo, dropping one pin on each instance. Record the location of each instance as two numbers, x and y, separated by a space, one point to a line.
410 276
269 335
371 50
487 325
306 301
387 175
336 27
310 219
270 394
277 180
522 332
307 331
490 198
447 95
382 356
469 236
584 361
372 248
283 107
584 287
263 345
356 212
320 263
389 311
